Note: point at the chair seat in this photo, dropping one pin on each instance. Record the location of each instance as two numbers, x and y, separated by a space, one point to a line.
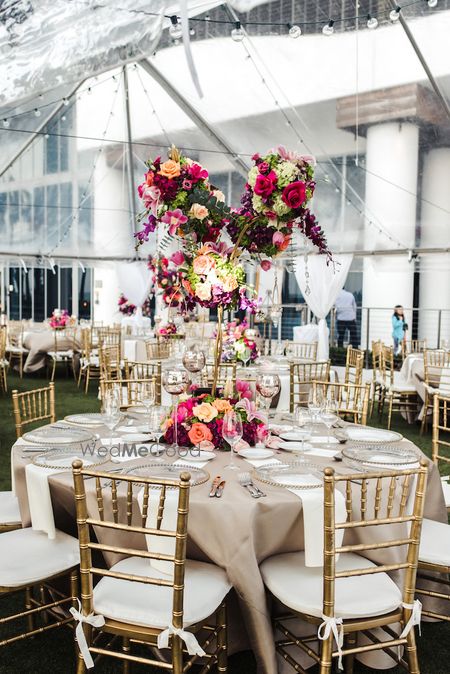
300 587
28 556
446 490
9 508
16 350
400 385
93 361
206 585
435 543
60 355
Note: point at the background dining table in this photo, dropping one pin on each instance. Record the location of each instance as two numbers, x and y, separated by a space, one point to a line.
235 532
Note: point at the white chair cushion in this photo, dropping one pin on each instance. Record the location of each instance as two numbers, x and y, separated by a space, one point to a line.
9 508
28 556
206 585
300 587
435 543
16 349
446 490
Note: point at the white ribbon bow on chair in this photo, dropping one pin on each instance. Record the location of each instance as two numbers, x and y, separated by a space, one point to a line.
192 645
95 621
414 619
335 626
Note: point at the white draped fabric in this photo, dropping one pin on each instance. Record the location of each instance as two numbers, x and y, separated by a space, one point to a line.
135 280
325 282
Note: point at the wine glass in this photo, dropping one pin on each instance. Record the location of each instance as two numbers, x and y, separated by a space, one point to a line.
328 414
175 382
156 417
111 411
194 360
315 401
268 386
147 394
232 432
302 419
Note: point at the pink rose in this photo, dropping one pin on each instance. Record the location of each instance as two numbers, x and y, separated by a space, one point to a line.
278 239
177 257
263 167
265 185
203 264
294 194
198 211
266 265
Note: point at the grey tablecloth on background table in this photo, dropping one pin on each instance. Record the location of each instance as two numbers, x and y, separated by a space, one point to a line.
235 532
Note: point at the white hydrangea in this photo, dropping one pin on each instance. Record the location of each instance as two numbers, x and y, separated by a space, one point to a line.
280 207
252 174
258 203
286 173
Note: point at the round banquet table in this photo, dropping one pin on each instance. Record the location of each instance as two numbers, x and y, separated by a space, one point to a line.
40 343
235 532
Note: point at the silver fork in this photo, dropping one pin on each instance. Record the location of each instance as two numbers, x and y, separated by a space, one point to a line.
246 481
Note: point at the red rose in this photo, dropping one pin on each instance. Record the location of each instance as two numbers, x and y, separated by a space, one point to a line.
263 167
265 185
294 194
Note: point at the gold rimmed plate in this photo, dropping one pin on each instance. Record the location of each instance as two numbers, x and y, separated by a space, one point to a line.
295 475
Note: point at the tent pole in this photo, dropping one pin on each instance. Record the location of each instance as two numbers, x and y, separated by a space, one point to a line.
130 164
195 116
39 130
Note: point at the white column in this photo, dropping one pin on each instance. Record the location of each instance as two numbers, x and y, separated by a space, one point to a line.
391 187
435 233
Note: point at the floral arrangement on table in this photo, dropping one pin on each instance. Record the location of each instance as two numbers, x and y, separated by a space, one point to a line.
61 318
200 420
236 345
278 189
170 195
128 308
168 330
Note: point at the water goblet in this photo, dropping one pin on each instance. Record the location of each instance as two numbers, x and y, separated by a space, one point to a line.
156 417
111 411
147 394
175 382
315 401
194 360
268 385
328 416
302 419
232 432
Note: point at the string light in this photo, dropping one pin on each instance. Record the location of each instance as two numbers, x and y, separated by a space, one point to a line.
372 22
294 31
37 112
328 28
65 101
175 30
237 34
432 3
6 123
394 15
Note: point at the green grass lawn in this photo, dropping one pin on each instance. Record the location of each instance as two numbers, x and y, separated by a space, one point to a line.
54 652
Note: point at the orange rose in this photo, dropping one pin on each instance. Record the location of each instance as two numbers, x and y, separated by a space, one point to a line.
199 433
205 412
170 169
203 264
222 405
187 286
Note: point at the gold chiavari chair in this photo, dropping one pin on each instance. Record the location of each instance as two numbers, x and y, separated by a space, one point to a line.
400 396
35 405
354 364
352 399
110 361
139 370
156 350
302 350
16 353
301 376
3 362
64 348
441 441
413 346
129 391
436 364
109 336
89 360
378 384
141 600
227 373
351 594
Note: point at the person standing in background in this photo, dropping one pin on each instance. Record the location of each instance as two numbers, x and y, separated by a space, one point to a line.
399 328
345 306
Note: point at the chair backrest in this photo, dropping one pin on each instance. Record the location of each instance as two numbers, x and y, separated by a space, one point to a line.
3 341
302 350
301 375
387 499
352 399
64 339
129 391
441 429
157 350
354 364
413 346
139 370
109 336
377 360
109 358
35 405
119 513
387 365
226 373
436 364
15 335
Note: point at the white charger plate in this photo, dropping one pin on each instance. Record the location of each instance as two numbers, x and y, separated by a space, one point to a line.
322 439
294 446
294 436
195 455
132 438
255 453
364 434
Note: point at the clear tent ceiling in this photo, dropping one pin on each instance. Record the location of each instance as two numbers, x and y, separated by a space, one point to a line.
68 193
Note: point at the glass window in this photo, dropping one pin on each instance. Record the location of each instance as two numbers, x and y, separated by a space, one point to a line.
85 215
39 212
39 294
26 293
14 293
65 210
65 291
52 291
51 154
3 211
291 294
84 293
52 215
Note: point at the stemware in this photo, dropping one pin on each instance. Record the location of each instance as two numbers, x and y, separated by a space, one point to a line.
315 402
194 360
328 414
268 386
147 394
111 411
302 419
232 432
155 420
175 382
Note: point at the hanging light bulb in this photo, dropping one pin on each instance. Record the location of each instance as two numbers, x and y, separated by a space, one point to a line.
6 123
37 112
294 31
328 28
66 101
175 30
372 22
432 3
237 34
395 14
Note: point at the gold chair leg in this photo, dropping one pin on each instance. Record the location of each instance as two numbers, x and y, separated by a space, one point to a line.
126 648
423 425
411 653
391 404
87 380
326 649
177 655
349 660
74 595
222 659
28 607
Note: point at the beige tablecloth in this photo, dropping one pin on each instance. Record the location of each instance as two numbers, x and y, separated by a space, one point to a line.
235 532
40 344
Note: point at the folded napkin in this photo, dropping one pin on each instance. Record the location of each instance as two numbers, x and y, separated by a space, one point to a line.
319 439
318 451
258 463
162 544
313 507
38 491
186 462
272 442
